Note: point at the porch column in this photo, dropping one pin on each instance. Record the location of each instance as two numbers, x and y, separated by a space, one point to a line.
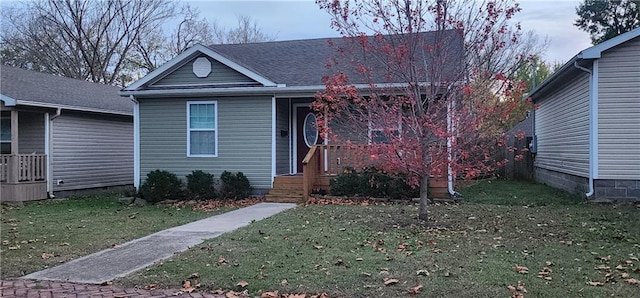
14 164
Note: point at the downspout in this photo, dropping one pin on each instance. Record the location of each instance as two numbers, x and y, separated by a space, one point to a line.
136 142
48 142
273 139
452 192
592 123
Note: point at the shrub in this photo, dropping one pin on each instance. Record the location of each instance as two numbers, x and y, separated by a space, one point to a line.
160 186
200 185
234 185
372 182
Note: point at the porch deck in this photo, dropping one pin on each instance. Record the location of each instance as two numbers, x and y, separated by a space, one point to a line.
23 177
320 165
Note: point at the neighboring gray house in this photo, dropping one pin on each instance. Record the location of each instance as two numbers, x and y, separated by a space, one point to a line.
587 126
238 107
61 134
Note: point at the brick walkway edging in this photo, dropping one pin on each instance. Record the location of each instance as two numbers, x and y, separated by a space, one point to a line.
55 289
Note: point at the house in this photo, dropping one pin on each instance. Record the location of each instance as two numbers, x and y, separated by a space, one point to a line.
239 107
61 134
587 125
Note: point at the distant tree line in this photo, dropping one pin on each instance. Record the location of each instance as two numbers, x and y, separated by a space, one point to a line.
112 42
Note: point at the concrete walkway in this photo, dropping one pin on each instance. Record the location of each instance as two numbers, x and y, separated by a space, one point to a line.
134 255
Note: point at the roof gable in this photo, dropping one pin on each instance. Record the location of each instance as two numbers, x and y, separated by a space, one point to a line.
183 63
595 52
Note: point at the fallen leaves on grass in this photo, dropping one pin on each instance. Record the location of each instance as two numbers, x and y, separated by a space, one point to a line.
545 273
632 281
212 205
415 290
521 269
423 272
242 284
390 281
234 294
595 283
329 200
186 287
46 256
517 291
273 294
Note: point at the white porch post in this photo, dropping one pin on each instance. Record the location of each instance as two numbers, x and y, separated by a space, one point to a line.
12 176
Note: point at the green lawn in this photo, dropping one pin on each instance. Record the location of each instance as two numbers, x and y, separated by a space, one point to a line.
467 250
42 234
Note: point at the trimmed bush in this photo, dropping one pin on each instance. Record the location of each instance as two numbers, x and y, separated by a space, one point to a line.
234 186
161 185
200 185
372 182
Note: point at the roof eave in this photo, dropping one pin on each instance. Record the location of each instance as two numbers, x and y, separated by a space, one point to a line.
36 104
8 100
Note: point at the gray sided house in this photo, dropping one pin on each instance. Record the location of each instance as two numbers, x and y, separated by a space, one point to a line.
587 126
61 134
236 107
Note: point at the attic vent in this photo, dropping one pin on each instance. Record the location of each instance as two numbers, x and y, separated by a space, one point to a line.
202 67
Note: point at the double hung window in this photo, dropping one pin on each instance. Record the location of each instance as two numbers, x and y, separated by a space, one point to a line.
202 129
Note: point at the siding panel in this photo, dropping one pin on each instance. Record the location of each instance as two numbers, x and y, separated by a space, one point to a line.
220 73
91 151
244 138
619 112
562 128
31 133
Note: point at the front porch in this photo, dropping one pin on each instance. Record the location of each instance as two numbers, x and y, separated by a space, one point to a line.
23 177
23 160
324 162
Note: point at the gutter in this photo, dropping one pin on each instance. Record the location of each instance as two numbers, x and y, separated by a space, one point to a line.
48 136
136 142
593 128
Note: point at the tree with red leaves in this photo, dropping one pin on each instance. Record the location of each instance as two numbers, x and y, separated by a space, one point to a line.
424 83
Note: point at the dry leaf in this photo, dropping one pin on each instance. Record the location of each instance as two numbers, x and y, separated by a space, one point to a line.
194 275
296 296
234 294
242 284
14 247
620 267
221 260
150 286
595 283
218 292
415 290
423 272
548 263
318 246
603 267
625 275
284 282
402 247
106 283
64 244
320 295
632 281
46 256
521 269
186 286
273 294
390 281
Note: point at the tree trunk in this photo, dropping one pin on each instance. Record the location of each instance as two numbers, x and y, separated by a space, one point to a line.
424 198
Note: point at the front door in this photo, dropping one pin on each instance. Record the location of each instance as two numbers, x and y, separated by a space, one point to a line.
307 133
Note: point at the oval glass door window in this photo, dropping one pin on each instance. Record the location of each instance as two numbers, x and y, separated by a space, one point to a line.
310 130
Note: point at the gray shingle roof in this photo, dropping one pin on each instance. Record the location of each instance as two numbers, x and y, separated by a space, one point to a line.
52 90
303 62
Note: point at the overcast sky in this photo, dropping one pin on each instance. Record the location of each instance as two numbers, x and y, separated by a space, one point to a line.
302 19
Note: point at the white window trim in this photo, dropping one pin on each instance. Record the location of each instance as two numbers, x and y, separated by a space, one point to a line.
189 130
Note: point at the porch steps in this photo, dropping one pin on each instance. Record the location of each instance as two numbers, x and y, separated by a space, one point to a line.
286 189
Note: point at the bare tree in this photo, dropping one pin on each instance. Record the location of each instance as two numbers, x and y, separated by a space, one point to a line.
247 31
84 39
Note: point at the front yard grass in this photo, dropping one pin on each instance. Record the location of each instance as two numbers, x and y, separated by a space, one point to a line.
471 249
41 234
